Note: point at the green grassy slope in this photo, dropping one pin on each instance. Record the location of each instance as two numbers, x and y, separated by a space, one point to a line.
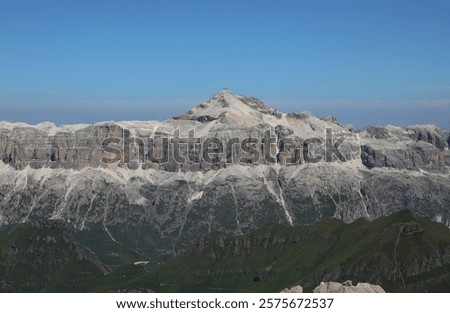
398 252
32 259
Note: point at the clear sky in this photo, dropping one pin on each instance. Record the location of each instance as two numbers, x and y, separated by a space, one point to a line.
368 62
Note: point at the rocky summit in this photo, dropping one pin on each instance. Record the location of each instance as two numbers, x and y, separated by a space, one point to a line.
148 190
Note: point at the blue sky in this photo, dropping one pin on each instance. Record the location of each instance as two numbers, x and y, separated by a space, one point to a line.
368 62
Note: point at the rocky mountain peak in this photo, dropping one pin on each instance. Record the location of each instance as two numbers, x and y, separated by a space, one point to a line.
223 99
225 102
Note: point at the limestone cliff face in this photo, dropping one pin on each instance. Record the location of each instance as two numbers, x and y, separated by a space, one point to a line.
412 148
55 148
155 205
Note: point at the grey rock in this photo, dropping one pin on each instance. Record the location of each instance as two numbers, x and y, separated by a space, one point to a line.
300 115
411 157
430 134
378 132
347 287
412 228
294 289
413 148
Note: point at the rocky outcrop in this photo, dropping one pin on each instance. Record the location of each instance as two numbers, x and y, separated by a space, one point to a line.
415 156
39 147
334 287
429 134
294 289
347 287
413 148
412 228
300 115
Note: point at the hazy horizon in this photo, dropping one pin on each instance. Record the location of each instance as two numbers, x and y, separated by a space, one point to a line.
372 113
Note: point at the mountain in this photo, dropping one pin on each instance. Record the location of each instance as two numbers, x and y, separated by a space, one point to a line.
147 190
400 252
